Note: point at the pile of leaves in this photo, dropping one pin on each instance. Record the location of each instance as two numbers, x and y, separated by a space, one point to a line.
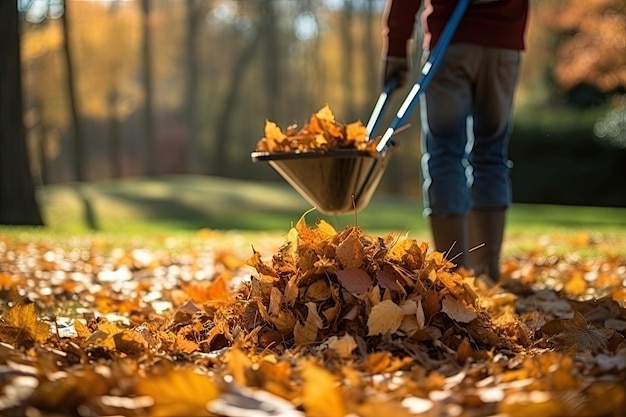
321 133
351 292
333 323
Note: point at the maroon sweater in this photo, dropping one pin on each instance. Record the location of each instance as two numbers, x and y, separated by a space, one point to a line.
498 24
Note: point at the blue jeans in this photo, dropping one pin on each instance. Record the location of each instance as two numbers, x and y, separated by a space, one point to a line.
466 114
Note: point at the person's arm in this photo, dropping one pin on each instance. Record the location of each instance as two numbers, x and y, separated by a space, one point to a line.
398 27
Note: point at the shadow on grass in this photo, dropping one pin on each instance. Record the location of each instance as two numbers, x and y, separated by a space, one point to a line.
89 213
195 202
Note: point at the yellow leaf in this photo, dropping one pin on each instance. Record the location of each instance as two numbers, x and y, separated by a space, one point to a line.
343 345
356 132
321 395
26 327
81 329
179 393
385 317
325 114
109 328
239 365
326 229
273 135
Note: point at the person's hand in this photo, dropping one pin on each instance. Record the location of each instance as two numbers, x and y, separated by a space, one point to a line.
395 69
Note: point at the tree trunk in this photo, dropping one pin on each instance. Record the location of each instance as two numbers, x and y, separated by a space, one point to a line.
348 67
224 120
115 152
271 57
148 128
191 113
18 205
79 157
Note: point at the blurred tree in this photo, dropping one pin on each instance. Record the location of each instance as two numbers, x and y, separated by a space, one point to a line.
235 84
18 205
591 43
348 67
146 69
79 156
194 19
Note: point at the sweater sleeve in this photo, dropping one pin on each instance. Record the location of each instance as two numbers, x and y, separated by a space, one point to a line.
398 26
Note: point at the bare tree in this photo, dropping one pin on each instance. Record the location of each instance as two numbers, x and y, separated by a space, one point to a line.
79 163
148 127
226 114
18 205
348 67
194 18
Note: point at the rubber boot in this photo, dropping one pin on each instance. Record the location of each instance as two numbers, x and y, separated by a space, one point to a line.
486 231
450 234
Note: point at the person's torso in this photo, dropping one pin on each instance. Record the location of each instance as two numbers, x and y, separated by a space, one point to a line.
492 23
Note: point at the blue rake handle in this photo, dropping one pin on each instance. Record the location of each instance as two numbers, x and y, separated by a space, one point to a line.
381 103
434 59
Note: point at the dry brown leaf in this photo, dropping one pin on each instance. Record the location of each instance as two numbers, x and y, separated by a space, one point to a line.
318 291
354 280
385 317
130 342
307 333
575 333
457 310
350 251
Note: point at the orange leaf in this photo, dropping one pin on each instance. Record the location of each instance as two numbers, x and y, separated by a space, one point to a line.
179 393
321 395
23 326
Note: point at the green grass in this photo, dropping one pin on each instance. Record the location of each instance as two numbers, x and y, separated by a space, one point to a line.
182 205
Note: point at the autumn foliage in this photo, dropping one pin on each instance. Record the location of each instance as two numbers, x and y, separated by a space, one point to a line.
322 132
591 44
334 323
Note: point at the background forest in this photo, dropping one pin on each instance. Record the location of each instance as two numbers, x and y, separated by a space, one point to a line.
116 89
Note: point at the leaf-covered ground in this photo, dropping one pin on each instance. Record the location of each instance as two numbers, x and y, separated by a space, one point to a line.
328 323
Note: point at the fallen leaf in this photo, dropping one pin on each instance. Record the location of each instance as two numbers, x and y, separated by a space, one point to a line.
385 317
321 393
354 280
343 346
457 310
20 325
307 333
179 393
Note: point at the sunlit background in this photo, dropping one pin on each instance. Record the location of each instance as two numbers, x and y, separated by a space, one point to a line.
117 89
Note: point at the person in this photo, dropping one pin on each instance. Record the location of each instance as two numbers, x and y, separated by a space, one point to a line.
466 117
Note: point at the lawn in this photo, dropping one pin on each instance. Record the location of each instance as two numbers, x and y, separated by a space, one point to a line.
183 203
